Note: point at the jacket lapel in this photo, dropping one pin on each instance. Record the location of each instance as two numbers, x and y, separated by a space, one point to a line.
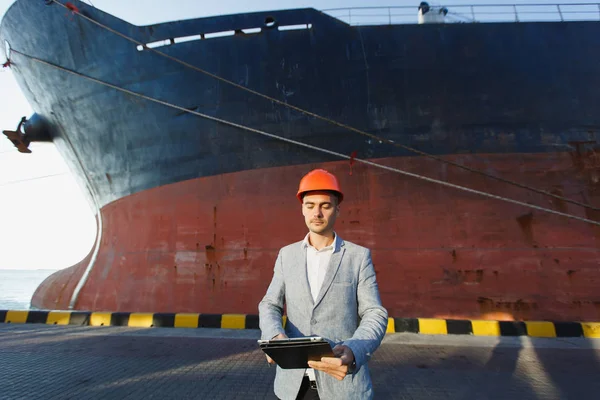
302 274
332 269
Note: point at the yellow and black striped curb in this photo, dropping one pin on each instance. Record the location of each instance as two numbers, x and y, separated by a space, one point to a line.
430 326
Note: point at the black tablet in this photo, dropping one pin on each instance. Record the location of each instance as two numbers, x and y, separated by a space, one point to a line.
296 352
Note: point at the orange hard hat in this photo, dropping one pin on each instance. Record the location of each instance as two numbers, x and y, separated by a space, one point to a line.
319 179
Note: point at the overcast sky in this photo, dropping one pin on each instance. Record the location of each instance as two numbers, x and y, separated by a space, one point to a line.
45 222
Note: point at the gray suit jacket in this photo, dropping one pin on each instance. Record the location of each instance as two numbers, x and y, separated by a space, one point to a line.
347 311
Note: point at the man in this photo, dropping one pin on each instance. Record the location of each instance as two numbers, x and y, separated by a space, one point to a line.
329 288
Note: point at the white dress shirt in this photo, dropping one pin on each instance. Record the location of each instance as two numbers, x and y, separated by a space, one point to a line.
317 262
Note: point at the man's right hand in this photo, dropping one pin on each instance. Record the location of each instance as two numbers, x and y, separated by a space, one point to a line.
280 336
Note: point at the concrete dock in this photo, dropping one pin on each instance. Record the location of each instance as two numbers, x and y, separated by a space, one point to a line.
72 362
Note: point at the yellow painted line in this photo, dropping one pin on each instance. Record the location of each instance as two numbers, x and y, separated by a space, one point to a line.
485 328
540 329
17 317
233 321
591 329
140 320
186 320
58 318
284 320
100 319
431 326
391 326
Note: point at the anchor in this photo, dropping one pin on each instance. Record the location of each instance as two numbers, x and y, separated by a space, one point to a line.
19 138
34 129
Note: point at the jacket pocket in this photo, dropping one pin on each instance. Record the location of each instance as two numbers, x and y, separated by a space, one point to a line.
342 284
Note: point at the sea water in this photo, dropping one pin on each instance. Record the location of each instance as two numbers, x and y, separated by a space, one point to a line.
17 287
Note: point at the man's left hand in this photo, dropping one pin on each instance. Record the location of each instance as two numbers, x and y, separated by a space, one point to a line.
335 366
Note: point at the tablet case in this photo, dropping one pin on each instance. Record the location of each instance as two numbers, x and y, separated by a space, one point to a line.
289 355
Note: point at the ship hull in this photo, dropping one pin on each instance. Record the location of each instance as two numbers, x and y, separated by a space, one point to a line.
192 211
208 245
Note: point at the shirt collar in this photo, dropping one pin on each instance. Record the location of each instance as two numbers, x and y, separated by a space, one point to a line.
335 244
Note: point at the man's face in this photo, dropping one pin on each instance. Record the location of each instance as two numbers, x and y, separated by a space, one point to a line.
320 210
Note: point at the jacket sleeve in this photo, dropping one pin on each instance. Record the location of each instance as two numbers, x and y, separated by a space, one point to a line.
270 309
373 317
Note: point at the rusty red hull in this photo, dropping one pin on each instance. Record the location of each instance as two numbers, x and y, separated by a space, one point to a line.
208 245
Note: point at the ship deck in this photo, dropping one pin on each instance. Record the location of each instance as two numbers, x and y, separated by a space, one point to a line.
60 362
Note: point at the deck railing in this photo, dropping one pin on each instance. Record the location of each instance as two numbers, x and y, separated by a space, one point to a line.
470 13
